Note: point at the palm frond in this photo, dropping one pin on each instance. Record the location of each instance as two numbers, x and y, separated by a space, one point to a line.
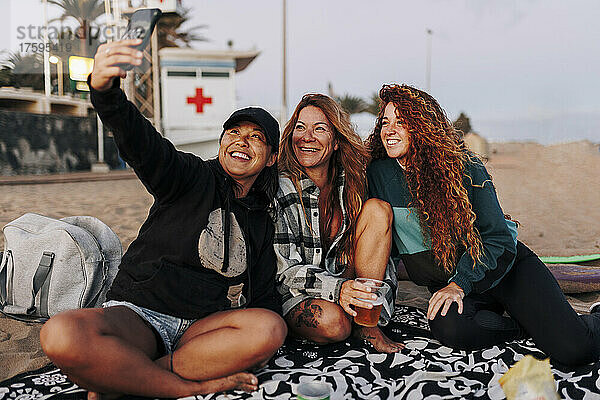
374 105
352 104
80 10
171 33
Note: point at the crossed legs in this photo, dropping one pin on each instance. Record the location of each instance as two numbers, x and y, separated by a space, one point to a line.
112 350
325 322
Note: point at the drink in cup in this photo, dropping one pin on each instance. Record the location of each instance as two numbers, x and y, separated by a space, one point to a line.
370 316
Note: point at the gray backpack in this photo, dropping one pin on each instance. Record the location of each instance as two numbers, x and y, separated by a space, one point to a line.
51 265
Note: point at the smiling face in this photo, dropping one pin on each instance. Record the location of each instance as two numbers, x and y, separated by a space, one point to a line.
313 140
394 136
244 153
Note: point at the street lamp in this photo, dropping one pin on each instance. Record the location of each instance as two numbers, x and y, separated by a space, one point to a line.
284 67
59 70
46 62
428 62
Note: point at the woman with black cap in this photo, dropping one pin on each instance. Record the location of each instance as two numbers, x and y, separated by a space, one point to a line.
193 305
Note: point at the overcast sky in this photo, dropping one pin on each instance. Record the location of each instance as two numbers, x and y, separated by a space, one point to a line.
520 69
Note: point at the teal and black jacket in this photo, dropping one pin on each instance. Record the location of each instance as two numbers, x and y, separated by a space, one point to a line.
387 182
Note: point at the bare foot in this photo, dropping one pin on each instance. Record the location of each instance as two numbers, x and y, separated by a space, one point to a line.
241 381
102 396
380 342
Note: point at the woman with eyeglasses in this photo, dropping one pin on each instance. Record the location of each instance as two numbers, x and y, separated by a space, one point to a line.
326 233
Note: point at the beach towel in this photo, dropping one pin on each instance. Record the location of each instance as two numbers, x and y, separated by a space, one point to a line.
355 371
574 278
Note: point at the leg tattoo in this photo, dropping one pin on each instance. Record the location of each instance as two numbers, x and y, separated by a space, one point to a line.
308 314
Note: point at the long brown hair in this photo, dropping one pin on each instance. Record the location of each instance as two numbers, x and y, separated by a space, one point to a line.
350 157
435 168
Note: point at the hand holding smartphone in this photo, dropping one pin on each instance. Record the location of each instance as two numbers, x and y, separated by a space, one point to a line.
114 59
140 26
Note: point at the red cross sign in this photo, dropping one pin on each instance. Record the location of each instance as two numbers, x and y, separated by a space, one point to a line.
199 100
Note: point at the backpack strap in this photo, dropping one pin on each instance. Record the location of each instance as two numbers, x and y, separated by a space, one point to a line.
41 281
4 256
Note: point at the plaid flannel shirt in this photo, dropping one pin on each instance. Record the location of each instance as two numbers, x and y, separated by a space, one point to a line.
302 268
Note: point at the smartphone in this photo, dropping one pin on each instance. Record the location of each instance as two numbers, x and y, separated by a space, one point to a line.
140 26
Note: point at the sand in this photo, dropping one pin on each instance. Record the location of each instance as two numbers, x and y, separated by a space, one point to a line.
553 191
121 204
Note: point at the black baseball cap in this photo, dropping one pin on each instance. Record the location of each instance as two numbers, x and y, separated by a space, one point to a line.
260 117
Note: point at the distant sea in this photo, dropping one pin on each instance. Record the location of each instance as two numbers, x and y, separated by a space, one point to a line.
568 128
541 130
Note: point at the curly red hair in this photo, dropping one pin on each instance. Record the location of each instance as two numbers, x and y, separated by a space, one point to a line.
435 168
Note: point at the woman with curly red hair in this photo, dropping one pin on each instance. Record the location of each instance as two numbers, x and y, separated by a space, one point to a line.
326 235
453 237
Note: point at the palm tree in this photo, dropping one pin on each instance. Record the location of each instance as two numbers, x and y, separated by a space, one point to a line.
352 104
170 33
20 70
462 124
374 105
85 12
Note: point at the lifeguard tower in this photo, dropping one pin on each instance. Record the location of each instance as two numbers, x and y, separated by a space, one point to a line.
198 94
197 87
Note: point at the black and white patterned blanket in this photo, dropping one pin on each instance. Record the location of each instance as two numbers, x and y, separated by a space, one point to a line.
425 369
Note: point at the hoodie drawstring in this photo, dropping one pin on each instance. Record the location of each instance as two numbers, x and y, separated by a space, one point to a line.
226 220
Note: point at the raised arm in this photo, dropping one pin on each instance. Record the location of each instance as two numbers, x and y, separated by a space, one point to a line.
160 167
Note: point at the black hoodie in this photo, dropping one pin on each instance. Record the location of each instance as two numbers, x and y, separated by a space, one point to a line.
178 265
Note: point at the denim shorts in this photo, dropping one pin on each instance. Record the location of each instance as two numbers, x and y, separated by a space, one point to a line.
169 328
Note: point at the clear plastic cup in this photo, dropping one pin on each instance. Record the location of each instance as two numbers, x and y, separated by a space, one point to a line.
370 316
